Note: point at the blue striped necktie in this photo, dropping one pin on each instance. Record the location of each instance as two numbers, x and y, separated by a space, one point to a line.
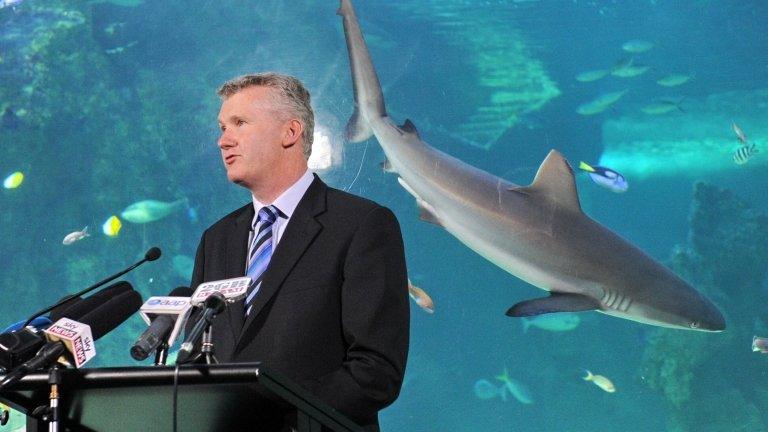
260 252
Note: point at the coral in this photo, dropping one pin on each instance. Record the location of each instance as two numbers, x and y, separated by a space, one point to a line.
724 258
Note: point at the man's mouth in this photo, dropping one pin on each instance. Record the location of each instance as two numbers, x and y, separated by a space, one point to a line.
229 160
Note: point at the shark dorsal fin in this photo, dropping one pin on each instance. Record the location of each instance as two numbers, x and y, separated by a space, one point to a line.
409 127
555 180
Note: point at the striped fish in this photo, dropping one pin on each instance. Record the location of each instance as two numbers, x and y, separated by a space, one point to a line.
744 153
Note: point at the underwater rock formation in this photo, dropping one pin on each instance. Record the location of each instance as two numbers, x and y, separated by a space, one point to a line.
699 140
708 376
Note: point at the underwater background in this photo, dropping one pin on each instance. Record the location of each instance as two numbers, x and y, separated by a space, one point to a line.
105 104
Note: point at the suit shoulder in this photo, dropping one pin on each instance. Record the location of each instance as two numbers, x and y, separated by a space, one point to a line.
351 203
227 221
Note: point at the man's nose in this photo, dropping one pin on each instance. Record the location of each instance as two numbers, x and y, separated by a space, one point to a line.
225 141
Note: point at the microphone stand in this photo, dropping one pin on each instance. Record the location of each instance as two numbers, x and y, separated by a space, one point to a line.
207 347
161 354
51 413
54 379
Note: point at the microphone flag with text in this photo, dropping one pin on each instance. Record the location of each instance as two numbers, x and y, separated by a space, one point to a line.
21 344
165 316
71 342
213 298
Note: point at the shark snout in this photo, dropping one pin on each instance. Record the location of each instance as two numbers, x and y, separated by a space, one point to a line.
711 319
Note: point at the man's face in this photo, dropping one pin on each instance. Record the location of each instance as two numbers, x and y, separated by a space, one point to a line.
251 136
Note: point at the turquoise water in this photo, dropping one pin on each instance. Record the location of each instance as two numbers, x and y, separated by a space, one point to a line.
111 103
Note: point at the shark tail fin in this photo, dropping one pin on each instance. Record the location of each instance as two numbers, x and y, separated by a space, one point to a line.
358 129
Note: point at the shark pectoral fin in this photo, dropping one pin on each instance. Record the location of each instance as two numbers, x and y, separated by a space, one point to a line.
554 179
358 128
386 167
427 213
410 128
556 302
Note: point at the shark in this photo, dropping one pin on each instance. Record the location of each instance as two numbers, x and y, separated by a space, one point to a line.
538 233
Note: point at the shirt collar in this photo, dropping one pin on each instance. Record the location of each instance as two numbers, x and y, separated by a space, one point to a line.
288 200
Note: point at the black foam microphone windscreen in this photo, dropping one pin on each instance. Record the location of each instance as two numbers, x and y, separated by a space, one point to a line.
77 309
112 313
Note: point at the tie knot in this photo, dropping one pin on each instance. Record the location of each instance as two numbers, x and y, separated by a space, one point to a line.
268 214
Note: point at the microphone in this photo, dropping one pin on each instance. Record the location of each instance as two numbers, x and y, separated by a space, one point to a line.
38 322
151 255
21 345
231 289
71 341
214 305
77 310
165 316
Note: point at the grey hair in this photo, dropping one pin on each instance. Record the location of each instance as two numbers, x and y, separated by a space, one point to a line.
290 94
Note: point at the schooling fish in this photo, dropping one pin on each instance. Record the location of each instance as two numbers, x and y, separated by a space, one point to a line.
744 153
75 236
151 210
662 107
605 177
600 381
673 80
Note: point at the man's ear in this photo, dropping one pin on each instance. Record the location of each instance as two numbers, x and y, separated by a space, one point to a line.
292 132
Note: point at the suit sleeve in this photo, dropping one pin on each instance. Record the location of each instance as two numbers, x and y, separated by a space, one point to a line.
198 273
375 321
198 269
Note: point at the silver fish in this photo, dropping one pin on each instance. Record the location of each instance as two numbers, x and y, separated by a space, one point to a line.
75 236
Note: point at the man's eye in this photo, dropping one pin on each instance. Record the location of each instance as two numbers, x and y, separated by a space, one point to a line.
240 122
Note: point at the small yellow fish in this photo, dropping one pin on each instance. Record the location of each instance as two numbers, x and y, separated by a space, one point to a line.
421 298
600 381
112 226
14 180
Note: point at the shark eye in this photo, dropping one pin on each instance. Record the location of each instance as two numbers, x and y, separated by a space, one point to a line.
694 324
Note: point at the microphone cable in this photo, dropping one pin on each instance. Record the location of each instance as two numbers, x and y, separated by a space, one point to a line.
175 396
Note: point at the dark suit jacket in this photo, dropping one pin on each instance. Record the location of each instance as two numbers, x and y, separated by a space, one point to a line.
332 313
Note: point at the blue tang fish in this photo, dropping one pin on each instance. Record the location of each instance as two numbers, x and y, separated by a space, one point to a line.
605 177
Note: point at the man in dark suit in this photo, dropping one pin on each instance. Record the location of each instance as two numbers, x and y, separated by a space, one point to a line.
328 305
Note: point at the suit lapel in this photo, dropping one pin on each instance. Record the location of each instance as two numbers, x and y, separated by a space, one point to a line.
299 234
237 249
